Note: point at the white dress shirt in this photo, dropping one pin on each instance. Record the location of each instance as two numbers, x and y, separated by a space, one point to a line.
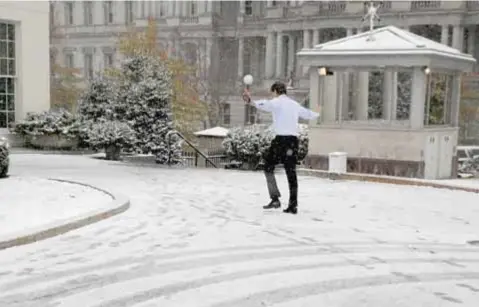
286 113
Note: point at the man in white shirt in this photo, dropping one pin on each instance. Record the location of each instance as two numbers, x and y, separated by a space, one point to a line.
284 147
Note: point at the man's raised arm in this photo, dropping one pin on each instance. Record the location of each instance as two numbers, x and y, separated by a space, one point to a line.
264 105
307 113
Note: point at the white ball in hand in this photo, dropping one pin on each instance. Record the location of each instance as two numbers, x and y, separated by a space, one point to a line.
248 79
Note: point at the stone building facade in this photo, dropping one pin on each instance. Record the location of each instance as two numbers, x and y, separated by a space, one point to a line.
228 39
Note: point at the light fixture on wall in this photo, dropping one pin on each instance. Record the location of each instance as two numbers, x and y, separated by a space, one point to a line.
426 70
324 71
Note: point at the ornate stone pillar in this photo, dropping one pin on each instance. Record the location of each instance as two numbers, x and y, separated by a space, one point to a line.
279 55
269 58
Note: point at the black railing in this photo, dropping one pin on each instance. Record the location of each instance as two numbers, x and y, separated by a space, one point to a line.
424 5
199 152
327 8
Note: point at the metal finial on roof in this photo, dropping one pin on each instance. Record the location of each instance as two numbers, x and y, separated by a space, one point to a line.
371 15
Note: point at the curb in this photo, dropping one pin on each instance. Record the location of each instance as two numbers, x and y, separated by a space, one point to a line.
118 205
385 179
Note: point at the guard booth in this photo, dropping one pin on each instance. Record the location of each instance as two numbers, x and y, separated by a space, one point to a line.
389 99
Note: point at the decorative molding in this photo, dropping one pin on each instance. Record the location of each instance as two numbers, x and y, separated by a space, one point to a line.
88 50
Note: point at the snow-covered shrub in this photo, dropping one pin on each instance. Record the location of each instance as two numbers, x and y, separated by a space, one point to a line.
98 102
251 143
112 136
144 101
138 96
60 122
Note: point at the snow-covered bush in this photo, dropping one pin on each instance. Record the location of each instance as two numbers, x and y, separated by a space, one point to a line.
60 122
138 96
144 101
98 102
251 143
112 136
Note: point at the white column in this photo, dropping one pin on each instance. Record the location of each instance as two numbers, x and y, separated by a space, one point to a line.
455 99
97 12
201 7
178 8
240 56
361 94
209 45
78 10
185 5
306 39
445 34
458 37
291 54
329 97
315 37
471 40
394 95
139 9
242 7
388 93
279 55
345 106
269 60
120 10
306 45
269 3
418 98
170 8
314 93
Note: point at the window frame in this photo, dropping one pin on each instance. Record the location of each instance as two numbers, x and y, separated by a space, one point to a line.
9 73
69 13
88 13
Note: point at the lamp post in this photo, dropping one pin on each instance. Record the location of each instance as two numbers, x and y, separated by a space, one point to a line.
248 81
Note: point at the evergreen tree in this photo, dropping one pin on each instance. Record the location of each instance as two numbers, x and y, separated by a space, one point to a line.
98 102
144 101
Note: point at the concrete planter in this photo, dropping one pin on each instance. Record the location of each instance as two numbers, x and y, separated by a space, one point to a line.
113 152
52 142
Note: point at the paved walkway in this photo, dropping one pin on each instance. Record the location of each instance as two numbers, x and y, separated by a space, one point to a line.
200 238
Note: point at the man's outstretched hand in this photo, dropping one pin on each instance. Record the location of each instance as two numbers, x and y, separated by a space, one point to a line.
246 96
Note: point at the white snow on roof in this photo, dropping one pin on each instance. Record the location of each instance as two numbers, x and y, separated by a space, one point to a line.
386 40
216 131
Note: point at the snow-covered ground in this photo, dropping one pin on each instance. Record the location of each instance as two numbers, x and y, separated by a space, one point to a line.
198 237
30 203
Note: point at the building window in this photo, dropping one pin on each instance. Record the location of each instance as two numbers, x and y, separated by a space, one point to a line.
129 12
7 74
274 3
108 11
226 114
69 61
192 9
108 60
69 13
250 115
88 12
88 66
162 9
248 8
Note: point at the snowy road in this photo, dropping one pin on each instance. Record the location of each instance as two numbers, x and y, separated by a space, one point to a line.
198 238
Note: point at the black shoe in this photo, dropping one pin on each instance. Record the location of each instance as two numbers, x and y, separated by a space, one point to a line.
292 208
274 204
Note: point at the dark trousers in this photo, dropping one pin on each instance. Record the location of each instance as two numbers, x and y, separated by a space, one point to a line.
283 150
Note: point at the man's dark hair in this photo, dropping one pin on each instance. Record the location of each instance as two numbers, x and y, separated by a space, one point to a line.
279 88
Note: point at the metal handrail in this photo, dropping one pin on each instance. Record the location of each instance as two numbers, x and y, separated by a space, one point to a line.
168 135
